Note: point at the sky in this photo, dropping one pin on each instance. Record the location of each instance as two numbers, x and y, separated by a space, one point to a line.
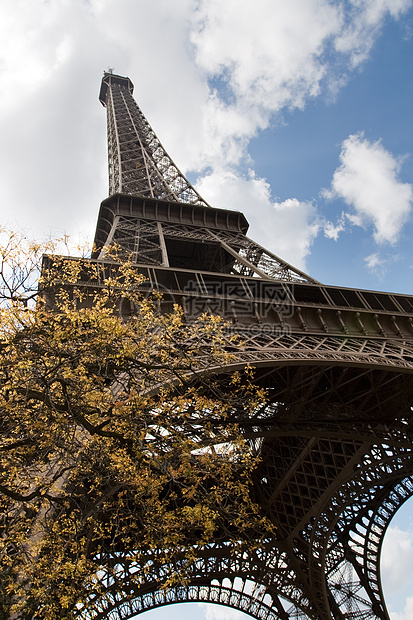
296 113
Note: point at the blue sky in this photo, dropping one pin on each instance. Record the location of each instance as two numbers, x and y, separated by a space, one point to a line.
304 153
299 114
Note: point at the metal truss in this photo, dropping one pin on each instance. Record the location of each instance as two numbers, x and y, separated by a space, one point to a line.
327 569
146 242
138 163
346 538
268 347
335 435
331 498
227 596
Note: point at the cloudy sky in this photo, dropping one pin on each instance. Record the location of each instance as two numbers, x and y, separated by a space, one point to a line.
297 113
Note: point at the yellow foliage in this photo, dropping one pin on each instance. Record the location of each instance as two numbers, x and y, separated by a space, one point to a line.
117 446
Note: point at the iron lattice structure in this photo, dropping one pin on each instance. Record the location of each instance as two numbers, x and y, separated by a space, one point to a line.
337 364
138 163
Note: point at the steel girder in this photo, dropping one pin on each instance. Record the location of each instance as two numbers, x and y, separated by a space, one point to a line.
237 253
330 569
336 434
138 163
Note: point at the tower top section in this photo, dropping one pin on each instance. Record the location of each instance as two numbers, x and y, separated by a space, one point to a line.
138 163
109 79
157 217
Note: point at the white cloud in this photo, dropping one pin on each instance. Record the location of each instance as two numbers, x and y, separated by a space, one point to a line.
272 54
397 559
332 231
219 612
368 180
53 160
269 54
268 50
374 261
364 21
380 264
406 614
287 228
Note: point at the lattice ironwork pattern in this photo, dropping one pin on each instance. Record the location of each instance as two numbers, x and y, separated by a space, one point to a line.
138 163
222 251
335 435
324 566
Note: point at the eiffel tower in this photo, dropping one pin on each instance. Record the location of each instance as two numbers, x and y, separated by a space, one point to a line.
337 363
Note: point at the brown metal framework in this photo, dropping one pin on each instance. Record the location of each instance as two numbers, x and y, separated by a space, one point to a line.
337 365
138 163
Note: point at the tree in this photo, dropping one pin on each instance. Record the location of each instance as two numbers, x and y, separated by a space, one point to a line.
115 433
